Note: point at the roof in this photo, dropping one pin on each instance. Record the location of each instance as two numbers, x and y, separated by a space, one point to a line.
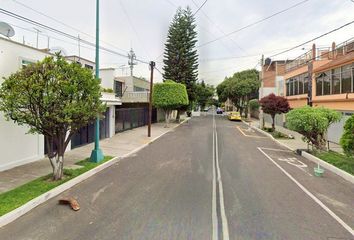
27 46
75 56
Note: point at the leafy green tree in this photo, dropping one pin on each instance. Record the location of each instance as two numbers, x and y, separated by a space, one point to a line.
254 104
347 139
240 88
273 105
204 94
181 56
312 123
169 96
54 98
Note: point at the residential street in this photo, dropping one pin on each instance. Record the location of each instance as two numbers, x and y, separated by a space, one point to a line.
208 179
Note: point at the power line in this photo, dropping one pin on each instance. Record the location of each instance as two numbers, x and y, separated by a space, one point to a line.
254 23
199 8
134 29
219 28
13 15
64 24
313 39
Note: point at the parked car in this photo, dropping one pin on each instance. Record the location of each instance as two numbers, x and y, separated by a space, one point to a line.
219 111
234 116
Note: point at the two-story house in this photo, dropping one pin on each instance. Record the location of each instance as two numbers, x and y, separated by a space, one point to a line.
18 147
323 77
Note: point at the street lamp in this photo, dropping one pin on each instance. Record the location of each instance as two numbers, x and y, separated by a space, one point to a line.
96 154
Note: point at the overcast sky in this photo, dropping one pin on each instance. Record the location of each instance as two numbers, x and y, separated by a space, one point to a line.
143 25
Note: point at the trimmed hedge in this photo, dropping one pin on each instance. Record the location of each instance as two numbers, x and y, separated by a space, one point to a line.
347 139
169 95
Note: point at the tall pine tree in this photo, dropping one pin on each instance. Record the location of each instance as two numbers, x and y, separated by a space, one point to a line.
181 56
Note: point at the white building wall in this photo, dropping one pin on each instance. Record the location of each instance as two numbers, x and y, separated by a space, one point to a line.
16 146
265 91
107 78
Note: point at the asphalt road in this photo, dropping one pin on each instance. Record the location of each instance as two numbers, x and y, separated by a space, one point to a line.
208 179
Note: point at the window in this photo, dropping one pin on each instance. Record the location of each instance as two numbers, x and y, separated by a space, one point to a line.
301 84
287 88
306 83
88 66
336 81
139 89
296 85
319 85
291 88
326 83
25 63
346 76
118 88
353 77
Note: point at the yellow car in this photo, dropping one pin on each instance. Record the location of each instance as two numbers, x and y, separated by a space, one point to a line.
234 116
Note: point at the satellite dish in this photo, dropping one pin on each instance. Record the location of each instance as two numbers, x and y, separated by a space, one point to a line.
6 30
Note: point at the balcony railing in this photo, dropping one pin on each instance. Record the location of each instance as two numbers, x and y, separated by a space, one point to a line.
303 59
135 97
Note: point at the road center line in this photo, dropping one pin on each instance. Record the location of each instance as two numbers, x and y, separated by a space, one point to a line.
217 186
318 201
225 228
214 213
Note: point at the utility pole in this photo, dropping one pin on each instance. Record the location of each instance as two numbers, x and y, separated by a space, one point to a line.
131 61
152 66
96 154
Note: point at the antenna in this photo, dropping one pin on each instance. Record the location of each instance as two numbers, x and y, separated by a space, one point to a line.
6 30
131 60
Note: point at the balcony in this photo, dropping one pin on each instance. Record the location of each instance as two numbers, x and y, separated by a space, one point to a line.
302 60
135 97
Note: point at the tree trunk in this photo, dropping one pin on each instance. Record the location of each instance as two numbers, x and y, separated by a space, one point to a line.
178 116
248 110
273 120
167 118
56 148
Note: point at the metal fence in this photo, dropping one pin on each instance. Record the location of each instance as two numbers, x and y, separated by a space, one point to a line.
129 118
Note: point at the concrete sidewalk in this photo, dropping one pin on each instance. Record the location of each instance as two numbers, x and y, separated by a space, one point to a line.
119 145
297 142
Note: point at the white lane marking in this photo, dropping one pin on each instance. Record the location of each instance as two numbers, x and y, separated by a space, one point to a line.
246 135
295 162
225 227
318 201
213 207
275 149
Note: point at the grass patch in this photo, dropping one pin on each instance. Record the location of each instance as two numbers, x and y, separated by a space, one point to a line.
17 197
276 134
339 160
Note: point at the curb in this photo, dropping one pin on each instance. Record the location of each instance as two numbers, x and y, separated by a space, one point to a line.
269 135
328 166
310 157
22 210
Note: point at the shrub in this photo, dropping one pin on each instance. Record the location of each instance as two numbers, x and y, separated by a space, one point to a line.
347 139
254 104
169 96
312 123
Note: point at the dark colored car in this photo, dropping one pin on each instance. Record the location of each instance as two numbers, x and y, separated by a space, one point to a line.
219 111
